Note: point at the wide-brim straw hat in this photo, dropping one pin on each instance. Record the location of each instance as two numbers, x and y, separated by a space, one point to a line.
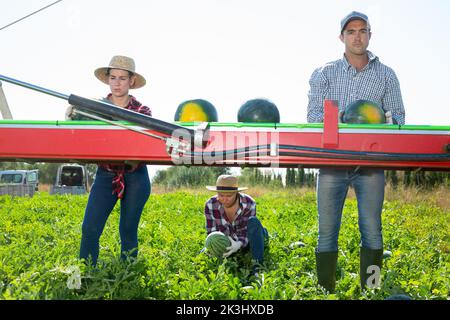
226 183
122 63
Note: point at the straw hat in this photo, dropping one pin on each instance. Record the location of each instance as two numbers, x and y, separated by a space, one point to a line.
123 63
226 183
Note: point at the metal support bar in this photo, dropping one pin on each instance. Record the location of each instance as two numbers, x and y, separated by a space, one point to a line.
4 108
109 109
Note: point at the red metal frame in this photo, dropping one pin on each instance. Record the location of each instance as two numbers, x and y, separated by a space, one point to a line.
98 143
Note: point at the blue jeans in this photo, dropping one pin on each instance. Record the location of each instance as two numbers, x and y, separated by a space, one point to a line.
100 204
256 235
332 188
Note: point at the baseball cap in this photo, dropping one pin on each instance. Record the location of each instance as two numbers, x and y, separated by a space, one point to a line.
353 16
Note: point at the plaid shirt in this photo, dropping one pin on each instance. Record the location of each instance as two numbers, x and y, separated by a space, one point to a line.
216 219
338 80
136 106
120 169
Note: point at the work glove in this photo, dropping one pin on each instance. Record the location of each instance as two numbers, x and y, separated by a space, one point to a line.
235 246
388 116
69 115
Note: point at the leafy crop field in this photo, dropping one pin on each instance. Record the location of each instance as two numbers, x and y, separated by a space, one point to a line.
40 236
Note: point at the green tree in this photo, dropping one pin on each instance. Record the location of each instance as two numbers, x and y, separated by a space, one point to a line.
183 176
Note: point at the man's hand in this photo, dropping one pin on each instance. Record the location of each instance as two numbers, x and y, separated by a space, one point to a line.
235 246
341 117
388 116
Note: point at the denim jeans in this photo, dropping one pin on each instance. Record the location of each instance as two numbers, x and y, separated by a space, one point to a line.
332 188
257 235
100 205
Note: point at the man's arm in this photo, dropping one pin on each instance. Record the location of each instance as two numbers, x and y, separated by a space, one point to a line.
316 94
393 101
209 216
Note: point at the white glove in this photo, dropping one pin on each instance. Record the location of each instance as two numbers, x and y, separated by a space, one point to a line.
388 116
69 112
235 246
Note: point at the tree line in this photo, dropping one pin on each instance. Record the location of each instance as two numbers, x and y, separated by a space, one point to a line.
180 176
184 176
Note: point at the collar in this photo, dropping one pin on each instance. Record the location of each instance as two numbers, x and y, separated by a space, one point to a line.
372 58
131 100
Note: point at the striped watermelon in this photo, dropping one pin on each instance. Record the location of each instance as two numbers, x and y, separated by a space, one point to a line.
216 243
259 110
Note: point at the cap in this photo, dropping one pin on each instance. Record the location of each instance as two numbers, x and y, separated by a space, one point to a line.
354 15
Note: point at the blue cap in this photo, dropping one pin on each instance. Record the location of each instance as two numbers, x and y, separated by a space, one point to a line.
354 15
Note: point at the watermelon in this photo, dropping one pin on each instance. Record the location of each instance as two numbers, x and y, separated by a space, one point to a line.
363 111
216 243
399 297
259 110
196 110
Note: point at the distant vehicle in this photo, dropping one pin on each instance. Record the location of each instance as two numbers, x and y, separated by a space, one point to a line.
19 182
70 179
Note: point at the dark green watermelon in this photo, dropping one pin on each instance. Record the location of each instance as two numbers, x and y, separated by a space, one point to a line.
259 110
399 297
363 111
197 110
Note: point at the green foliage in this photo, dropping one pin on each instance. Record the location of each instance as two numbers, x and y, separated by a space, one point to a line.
182 176
418 179
293 178
40 237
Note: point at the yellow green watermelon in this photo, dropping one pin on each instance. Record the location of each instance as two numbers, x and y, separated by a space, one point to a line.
363 111
197 110
259 110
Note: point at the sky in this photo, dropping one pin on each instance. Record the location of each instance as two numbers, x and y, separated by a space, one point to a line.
223 51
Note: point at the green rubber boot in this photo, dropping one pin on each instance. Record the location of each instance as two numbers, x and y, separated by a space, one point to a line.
326 269
370 262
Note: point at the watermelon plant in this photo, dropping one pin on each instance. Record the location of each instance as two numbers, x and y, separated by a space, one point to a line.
40 238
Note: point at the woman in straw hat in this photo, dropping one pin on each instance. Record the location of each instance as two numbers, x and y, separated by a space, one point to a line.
128 182
234 213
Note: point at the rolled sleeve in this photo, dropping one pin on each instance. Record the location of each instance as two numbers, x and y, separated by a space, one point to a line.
209 216
316 94
393 99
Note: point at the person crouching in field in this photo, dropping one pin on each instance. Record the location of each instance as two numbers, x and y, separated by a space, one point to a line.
127 181
234 214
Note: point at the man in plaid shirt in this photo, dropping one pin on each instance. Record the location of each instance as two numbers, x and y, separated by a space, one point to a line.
358 75
234 214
